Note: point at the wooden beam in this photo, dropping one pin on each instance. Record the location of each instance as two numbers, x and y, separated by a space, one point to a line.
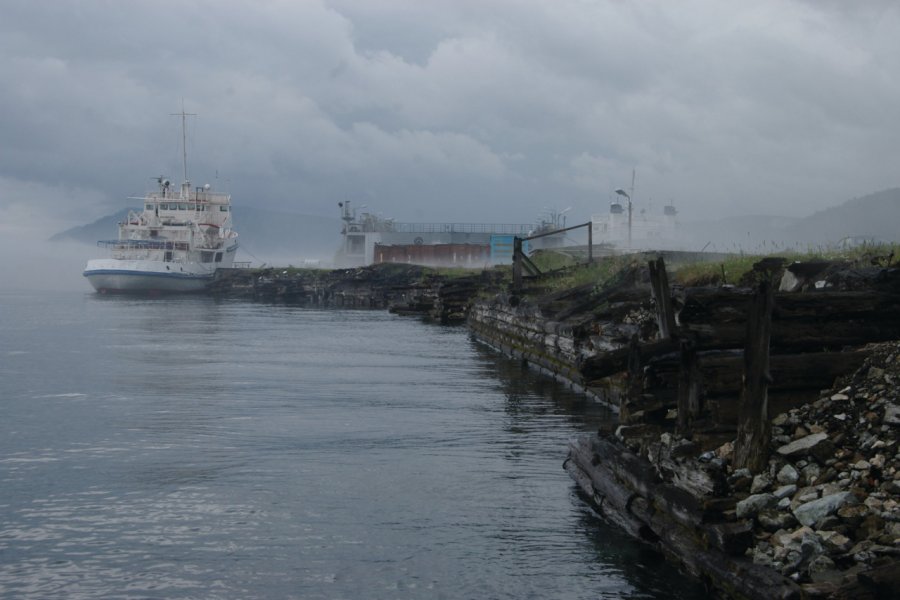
659 285
752 443
517 264
689 379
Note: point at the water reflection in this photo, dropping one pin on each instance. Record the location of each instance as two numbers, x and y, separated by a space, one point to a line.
246 451
537 403
529 393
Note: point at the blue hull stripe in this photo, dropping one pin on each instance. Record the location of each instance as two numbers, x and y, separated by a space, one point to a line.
147 274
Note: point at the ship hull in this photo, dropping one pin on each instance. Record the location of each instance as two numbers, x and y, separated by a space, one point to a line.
136 276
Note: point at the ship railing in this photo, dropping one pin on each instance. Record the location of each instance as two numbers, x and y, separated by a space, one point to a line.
143 245
193 196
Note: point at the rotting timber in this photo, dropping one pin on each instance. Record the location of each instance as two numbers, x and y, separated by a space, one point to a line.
696 467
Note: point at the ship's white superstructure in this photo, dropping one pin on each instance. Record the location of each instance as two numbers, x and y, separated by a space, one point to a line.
640 231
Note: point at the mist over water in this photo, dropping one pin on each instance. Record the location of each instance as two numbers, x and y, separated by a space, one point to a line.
184 447
33 263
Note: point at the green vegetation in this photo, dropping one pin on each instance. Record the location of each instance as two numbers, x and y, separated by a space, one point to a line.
731 270
552 260
454 272
562 271
734 268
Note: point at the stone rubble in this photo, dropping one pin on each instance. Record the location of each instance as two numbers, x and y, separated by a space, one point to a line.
829 505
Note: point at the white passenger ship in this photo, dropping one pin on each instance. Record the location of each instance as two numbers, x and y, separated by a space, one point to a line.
175 244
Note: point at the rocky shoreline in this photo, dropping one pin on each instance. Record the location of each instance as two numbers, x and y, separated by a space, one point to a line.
828 506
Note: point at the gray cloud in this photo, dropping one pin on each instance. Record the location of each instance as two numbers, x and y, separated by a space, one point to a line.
450 109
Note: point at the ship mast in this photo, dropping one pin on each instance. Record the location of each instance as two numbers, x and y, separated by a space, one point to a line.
184 116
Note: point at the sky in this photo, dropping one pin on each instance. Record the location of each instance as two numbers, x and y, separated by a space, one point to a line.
447 110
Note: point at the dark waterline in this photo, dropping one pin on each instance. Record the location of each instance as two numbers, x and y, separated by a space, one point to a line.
190 448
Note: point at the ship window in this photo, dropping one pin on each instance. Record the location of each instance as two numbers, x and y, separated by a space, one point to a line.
164 206
192 207
148 207
223 208
168 256
218 257
182 207
206 257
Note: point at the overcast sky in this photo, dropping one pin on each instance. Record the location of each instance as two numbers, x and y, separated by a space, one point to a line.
448 110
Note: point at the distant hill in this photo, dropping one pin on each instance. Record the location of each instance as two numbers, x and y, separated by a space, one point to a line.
875 216
103 228
266 235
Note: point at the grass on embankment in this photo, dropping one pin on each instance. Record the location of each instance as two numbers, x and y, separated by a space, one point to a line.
562 271
733 269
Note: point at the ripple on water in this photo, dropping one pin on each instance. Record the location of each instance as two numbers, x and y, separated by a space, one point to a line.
234 450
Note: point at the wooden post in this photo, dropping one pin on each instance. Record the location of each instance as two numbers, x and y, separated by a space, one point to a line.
635 378
752 443
590 227
659 284
688 387
517 264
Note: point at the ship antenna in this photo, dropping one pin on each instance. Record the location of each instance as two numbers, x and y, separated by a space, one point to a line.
183 116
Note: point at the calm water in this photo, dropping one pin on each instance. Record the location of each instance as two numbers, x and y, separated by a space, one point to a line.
192 448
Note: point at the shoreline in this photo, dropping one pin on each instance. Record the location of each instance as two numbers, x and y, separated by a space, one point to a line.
668 475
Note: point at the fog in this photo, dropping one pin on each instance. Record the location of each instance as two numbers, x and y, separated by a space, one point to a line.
448 110
34 264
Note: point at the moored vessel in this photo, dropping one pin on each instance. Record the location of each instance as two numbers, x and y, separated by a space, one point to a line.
176 243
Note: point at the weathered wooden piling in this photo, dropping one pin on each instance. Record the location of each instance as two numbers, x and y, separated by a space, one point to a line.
662 297
751 447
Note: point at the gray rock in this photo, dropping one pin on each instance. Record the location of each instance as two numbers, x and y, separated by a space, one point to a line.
751 505
787 475
803 546
829 523
785 491
790 282
835 542
892 414
761 483
811 512
821 564
810 473
807 494
875 373
773 520
740 474
817 445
